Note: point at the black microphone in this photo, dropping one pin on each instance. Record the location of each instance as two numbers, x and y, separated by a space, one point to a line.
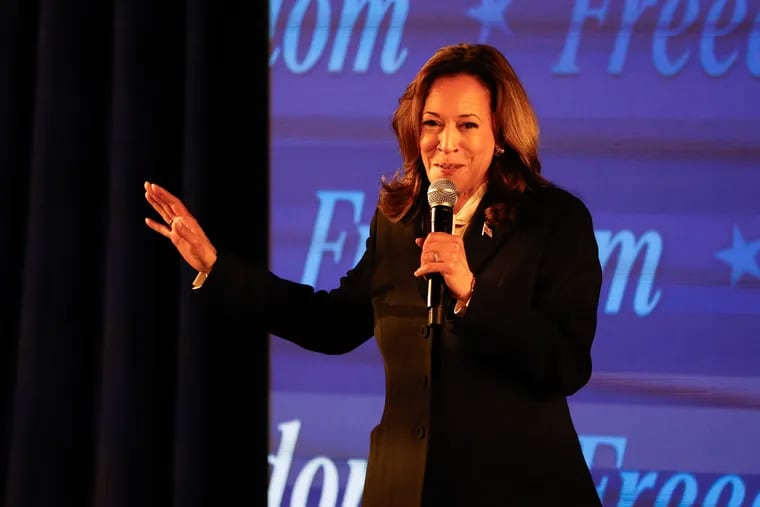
442 196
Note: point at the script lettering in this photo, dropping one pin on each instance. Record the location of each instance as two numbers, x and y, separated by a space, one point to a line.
319 242
318 28
753 50
633 485
633 10
582 11
738 490
303 485
713 66
664 31
681 481
599 451
590 444
392 57
282 461
624 242
329 491
669 25
644 299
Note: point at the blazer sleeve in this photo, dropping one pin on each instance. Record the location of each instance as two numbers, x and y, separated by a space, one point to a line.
332 322
543 338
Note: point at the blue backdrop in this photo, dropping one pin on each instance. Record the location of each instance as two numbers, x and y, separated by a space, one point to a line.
650 112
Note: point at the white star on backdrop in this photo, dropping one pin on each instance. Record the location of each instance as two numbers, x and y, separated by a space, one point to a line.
490 13
742 257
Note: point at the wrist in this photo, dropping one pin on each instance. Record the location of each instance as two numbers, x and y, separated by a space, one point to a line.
462 304
208 264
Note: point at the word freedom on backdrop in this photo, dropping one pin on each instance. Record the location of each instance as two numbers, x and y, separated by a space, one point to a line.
303 35
631 250
620 487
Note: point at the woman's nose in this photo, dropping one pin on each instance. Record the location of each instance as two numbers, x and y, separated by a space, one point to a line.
449 139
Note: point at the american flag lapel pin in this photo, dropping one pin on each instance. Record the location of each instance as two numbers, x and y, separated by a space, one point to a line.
486 230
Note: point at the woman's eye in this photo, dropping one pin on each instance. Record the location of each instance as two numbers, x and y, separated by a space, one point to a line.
470 125
430 123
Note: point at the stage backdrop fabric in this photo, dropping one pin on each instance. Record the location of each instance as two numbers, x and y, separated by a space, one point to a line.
115 390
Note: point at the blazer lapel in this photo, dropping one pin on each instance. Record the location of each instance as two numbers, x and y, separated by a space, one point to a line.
482 240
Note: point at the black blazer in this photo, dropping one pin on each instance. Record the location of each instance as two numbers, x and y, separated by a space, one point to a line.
477 415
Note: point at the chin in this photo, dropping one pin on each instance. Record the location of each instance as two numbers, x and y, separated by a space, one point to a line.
451 175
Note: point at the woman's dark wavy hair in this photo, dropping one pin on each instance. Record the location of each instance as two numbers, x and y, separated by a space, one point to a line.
510 175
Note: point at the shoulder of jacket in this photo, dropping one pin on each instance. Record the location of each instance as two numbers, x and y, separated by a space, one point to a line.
559 200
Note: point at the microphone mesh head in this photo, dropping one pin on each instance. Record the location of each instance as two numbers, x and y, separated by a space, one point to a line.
442 192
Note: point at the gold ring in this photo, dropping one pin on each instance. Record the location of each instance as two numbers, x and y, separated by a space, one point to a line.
170 222
435 257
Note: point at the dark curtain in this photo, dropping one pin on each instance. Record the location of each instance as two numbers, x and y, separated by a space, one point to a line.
117 388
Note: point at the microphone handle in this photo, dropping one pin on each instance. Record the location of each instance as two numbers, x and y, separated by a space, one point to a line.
441 220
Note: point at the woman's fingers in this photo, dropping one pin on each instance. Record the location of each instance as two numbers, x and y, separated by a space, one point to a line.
172 204
158 227
165 203
160 208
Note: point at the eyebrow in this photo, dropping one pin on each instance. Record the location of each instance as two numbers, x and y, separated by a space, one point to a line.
465 115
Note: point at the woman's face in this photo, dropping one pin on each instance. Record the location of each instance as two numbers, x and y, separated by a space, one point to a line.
457 139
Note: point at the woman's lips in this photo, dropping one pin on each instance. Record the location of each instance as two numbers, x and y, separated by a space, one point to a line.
448 168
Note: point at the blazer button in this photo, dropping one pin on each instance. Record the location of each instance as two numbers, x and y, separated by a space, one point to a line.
419 432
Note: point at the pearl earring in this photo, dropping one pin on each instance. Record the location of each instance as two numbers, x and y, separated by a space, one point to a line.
498 151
